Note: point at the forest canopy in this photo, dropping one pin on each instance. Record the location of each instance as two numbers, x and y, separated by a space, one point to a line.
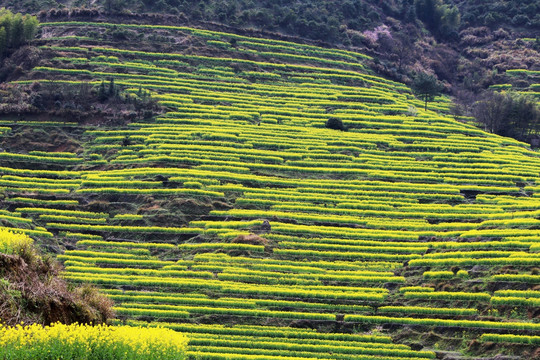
15 30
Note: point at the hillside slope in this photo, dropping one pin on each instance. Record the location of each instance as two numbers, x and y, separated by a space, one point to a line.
33 292
468 45
411 235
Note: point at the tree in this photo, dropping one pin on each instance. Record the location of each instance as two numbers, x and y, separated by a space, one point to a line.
525 115
426 87
102 93
114 5
508 114
492 111
30 25
444 20
3 41
450 21
403 47
427 11
17 31
336 124
112 89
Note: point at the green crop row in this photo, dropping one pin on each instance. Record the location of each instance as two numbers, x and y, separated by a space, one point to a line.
218 353
282 279
498 233
88 214
151 312
344 255
319 348
438 275
271 332
411 289
360 209
518 293
261 279
521 261
31 183
310 273
225 287
519 301
72 219
419 246
33 190
291 266
510 338
445 323
125 244
130 229
6 156
426 310
72 235
269 339
352 248
106 260
533 279
446 295
170 298
183 191
194 301
471 254
139 272
34 201
15 219
155 310
120 184
345 232
97 254
222 246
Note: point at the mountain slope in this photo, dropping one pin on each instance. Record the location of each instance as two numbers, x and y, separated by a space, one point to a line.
238 206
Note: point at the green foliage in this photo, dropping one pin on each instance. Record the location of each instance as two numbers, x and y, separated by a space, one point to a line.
441 18
508 113
336 124
510 338
15 30
496 13
427 87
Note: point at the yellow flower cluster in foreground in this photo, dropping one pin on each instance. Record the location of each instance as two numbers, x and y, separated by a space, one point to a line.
13 243
86 342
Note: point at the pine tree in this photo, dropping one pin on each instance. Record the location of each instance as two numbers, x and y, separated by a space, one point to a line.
426 87
112 88
102 93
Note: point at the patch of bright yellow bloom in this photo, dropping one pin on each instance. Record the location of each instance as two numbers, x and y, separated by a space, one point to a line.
13 242
86 342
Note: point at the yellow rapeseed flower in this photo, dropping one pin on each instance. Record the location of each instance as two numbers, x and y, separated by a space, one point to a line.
75 341
12 242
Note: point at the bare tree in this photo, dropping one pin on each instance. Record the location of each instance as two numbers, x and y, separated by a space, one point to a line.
492 111
508 114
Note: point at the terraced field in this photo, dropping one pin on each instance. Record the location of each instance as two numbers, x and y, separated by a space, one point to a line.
239 219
